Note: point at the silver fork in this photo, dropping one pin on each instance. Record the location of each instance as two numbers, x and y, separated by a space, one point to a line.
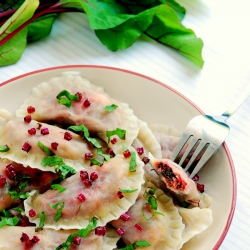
202 137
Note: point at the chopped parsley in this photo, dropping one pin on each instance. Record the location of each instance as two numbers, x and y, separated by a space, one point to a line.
132 162
121 133
128 190
64 170
52 161
45 149
85 134
58 187
151 200
59 206
41 223
81 233
68 100
111 107
7 219
4 148
141 243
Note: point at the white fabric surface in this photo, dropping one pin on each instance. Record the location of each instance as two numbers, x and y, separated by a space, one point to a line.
224 27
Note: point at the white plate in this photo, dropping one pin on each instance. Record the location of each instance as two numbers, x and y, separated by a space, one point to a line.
153 102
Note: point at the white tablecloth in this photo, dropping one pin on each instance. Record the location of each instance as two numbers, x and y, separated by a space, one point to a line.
224 27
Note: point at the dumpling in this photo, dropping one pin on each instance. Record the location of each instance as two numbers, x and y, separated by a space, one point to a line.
147 141
104 197
162 231
167 137
16 178
178 181
88 110
24 149
51 239
196 220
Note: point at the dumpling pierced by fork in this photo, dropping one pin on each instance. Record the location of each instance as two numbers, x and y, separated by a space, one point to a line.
73 100
178 181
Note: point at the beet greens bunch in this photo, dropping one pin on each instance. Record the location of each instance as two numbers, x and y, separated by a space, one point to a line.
116 23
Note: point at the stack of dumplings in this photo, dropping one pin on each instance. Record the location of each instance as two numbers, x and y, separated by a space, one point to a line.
79 170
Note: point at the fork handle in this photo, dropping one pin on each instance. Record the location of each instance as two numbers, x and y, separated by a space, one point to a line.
237 103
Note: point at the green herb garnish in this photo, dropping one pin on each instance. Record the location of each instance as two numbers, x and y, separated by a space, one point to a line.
41 223
141 243
68 100
132 162
59 206
151 200
58 187
52 161
121 133
64 170
45 149
111 107
85 134
81 233
128 190
4 148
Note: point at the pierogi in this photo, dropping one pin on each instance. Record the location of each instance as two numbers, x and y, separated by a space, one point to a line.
79 170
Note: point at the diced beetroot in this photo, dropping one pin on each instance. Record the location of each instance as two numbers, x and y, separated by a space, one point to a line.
77 240
120 194
126 153
120 231
88 155
125 217
68 136
145 160
140 150
32 131
2 180
114 140
79 96
31 109
44 131
26 147
27 119
100 231
32 213
87 183
84 175
93 176
81 197
138 227
86 103
54 145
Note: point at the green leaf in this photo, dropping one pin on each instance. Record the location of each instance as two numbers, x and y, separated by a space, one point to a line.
111 107
58 187
4 148
121 133
41 223
24 13
5 213
179 10
41 27
45 149
102 14
125 34
170 32
128 190
132 162
52 161
12 50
